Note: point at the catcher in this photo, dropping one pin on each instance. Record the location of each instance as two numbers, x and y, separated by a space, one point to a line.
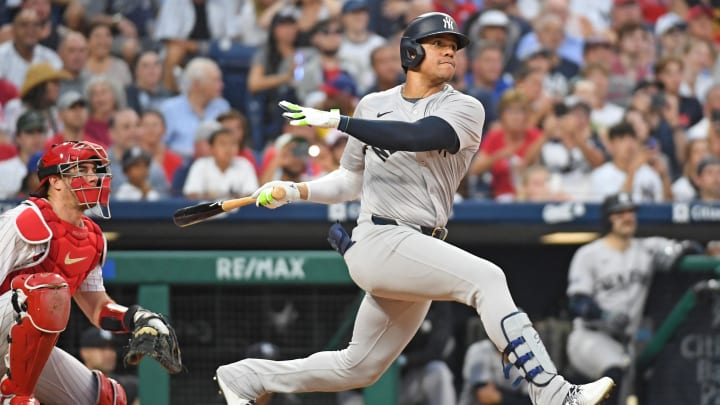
50 252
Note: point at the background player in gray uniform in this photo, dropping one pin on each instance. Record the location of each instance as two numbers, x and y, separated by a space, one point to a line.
409 148
484 382
609 280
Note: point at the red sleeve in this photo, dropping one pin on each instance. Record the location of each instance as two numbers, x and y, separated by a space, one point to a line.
171 162
492 142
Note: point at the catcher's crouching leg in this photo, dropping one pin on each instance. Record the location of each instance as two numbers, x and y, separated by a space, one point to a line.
110 392
42 304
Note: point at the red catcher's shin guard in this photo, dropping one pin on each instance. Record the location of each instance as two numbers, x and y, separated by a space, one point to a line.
42 303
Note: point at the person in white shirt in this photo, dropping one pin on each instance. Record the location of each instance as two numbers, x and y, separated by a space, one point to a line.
604 113
685 188
712 103
223 174
136 166
31 128
628 170
358 43
24 50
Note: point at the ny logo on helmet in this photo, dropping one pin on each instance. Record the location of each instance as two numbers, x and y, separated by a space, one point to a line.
448 23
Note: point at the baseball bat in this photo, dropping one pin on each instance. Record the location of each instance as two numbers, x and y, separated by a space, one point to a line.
200 212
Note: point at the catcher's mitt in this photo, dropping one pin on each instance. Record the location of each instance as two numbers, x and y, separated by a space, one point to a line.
152 336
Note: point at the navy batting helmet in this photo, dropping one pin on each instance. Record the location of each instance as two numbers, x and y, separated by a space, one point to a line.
423 26
612 204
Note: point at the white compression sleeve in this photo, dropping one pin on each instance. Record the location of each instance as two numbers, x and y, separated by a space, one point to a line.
335 187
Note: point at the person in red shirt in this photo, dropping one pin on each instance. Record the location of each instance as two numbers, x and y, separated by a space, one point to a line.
508 149
152 126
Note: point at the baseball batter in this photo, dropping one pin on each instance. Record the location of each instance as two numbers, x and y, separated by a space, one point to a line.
609 280
409 148
49 253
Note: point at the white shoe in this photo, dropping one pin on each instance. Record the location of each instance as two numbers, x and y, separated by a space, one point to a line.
231 397
590 394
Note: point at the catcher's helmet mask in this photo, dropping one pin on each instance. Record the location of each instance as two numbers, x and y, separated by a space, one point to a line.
426 25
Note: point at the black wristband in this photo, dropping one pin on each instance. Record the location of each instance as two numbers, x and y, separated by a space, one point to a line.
129 318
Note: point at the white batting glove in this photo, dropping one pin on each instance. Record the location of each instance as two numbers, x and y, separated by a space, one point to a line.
302 116
263 195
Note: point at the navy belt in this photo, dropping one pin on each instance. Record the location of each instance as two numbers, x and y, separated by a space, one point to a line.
439 232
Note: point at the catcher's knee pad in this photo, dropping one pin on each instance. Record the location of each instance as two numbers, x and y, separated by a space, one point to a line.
110 392
43 298
526 351
42 303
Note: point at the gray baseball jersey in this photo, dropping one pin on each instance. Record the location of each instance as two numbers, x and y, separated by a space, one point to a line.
415 187
483 366
617 281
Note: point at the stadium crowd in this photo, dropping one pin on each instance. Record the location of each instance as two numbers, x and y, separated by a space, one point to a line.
583 98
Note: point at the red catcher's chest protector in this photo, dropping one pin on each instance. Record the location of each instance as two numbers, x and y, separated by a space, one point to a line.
72 251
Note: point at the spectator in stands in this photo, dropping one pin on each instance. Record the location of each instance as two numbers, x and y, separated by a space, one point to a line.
185 27
223 174
201 99
550 35
125 134
711 112
669 72
493 26
508 149
202 149
146 91
628 170
74 54
24 50
98 351
324 64
485 79
100 61
685 188
40 92
484 382
310 14
552 31
605 114
236 122
275 69
105 97
537 184
625 12
358 42
708 179
129 19
339 92
385 61
152 127
254 17
289 160
555 85
571 150
598 49
670 35
698 58
699 20
31 130
73 113
136 168
529 82
658 144
629 66
49 30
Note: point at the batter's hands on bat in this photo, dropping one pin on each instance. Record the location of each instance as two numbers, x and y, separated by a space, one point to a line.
263 195
302 116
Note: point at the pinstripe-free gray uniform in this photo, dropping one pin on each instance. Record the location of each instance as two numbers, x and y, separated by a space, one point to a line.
619 282
64 380
401 269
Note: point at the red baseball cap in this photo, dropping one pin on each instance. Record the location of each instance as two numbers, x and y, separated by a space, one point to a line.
698 11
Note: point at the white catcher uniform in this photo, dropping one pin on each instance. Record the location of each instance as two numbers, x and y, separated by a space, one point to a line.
64 380
401 269
618 282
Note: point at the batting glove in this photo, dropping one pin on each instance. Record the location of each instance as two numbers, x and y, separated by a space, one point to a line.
263 195
302 116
